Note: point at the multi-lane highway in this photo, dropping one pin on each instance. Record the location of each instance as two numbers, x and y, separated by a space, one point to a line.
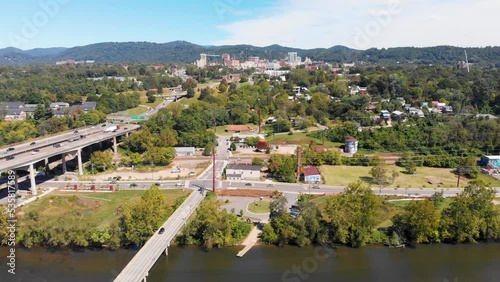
25 155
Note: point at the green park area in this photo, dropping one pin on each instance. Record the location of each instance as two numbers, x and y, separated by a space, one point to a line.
440 177
97 207
259 207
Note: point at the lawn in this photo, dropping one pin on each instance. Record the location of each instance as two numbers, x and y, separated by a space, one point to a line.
100 207
259 207
299 139
343 175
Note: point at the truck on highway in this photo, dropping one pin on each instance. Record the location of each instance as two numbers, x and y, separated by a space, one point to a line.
111 128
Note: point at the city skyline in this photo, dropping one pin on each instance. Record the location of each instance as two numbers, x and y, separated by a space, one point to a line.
296 23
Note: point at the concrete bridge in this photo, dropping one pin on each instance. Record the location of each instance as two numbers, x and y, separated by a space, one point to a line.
69 145
140 265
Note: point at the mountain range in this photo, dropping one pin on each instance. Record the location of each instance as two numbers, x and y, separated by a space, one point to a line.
185 52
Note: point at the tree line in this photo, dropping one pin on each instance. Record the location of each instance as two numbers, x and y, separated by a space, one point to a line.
352 217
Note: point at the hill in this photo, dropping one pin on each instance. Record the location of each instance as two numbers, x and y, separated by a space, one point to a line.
185 52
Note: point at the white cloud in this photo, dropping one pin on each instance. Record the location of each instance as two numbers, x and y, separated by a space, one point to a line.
364 24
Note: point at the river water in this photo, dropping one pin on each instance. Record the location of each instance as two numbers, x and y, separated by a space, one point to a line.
440 263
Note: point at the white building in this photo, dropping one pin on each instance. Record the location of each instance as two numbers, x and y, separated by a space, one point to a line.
242 172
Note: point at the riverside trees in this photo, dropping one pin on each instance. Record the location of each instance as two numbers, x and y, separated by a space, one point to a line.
352 218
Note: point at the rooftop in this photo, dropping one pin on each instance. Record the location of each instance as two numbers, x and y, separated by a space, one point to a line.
243 167
310 170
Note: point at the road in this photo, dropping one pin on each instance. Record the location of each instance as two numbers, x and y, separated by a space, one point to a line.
286 188
140 265
48 141
24 157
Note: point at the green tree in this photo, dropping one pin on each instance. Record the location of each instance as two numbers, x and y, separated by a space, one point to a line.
472 215
151 96
139 220
102 160
223 86
353 214
418 223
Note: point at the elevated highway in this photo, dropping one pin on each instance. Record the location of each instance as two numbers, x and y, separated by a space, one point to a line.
25 155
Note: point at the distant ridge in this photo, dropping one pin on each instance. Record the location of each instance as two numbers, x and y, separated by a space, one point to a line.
186 52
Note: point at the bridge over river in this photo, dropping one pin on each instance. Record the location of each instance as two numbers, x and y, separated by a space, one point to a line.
138 268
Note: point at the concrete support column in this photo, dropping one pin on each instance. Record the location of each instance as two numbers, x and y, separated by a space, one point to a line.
166 251
46 162
80 164
16 180
115 145
64 163
32 180
126 134
100 145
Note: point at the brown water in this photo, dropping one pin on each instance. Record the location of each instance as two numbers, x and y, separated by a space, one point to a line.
440 263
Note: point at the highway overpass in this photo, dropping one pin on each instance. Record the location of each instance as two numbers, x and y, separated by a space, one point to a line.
27 154
140 265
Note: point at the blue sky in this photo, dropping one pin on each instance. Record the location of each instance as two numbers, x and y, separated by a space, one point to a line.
359 24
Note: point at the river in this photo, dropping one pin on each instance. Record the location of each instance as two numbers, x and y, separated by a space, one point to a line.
440 263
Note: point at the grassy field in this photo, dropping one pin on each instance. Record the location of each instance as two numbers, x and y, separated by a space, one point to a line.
100 207
343 175
299 139
259 207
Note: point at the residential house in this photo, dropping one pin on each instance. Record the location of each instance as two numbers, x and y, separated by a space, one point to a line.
242 172
385 114
310 174
398 116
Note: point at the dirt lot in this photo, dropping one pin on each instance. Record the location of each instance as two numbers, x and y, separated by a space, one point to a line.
185 165
282 149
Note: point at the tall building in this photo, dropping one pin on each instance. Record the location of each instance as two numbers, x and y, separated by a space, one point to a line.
202 62
292 58
254 59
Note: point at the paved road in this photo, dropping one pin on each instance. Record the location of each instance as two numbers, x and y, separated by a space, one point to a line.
140 265
291 189
48 141
95 135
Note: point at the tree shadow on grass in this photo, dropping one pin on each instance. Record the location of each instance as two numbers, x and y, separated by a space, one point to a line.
367 179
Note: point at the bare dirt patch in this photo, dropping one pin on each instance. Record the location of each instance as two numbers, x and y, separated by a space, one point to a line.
180 168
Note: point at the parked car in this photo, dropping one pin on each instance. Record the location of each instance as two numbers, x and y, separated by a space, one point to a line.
248 184
161 230
32 143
